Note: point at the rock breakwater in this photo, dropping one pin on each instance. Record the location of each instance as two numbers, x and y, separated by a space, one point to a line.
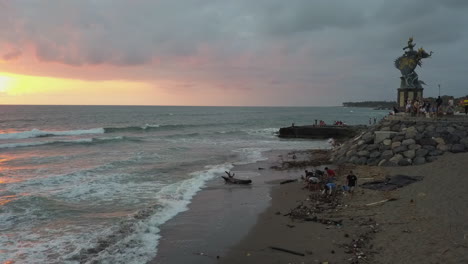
403 143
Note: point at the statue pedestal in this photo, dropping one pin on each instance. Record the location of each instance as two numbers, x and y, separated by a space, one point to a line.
405 94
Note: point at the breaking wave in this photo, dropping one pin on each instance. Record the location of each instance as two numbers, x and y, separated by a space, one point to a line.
42 133
73 141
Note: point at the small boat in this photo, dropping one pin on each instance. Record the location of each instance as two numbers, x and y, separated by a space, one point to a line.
230 179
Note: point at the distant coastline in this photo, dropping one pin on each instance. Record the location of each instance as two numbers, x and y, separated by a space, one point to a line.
379 105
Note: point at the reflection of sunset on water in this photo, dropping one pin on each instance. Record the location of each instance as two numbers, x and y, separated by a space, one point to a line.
6 199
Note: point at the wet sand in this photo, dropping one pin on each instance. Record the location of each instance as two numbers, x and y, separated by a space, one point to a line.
425 222
222 214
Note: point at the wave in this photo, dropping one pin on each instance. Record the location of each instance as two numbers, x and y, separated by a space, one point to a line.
42 133
74 141
136 239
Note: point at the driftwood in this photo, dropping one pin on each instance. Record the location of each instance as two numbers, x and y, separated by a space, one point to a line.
381 202
288 181
230 179
288 251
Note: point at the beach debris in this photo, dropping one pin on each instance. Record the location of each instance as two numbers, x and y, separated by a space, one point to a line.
288 181
381 202
391 183
288 251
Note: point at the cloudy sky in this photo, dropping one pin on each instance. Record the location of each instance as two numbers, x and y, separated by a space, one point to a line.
225 52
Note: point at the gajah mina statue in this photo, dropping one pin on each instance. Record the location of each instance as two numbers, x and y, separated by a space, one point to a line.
407 64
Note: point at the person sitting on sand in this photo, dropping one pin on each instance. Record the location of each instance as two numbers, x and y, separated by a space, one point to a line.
330 173
351 181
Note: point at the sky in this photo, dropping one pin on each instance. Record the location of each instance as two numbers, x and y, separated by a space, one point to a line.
225 52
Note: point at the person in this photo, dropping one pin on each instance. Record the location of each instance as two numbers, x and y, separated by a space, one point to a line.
330 173
439 103
465 102
375 120
351 181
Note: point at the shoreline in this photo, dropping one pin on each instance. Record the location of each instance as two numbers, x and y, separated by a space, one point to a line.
425 222
220 215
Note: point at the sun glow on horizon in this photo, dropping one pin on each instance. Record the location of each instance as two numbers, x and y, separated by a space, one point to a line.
27 89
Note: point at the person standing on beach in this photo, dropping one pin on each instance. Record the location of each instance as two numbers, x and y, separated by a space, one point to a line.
351 181
438 103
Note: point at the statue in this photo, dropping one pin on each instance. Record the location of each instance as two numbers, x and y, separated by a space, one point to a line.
407 64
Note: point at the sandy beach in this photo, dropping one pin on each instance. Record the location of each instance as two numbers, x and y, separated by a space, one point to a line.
424 222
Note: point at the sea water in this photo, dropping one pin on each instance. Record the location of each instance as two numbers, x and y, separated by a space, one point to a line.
84 184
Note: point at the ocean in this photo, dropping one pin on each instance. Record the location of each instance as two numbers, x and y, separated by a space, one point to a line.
93 184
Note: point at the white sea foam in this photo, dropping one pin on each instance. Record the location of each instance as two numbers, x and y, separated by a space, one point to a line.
41 133
46 142
141 245
146 126
251 155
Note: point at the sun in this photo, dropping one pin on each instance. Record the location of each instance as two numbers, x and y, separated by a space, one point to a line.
5 83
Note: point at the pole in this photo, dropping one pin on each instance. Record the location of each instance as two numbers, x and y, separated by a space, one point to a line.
439 89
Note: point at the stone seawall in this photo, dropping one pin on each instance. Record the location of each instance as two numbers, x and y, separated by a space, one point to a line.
404 143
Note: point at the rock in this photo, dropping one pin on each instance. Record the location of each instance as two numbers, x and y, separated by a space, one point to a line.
387 154
420 128
368 137
398 138
410 154
387 142
411 132
450 129
435 152
372 147
440 129
395 159
442 147
439 140
427 141
361 161
353 159
361 142
374 155
421 152
372 162
382 135
419 161
400 149
382 163
464 141
429 147
431 158
385 128
457 148
363 153
408 142
383 148
396 144
350 153
414 146
395 128
430 128
404 162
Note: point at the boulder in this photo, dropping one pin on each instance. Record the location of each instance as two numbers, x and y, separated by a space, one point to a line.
374 155
382 135
372 147
368 137
410 154
350 153
450 129
427 141
419 161
400 149
421 152
385 128
396 158
464 141
442 147
435 152
439 140
387 142
361 161
429 147
409 141
457 148
398 138
387 154
414 146
382 162
440 129
411 132
431 158
363 153
353 159
396 144
404 162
